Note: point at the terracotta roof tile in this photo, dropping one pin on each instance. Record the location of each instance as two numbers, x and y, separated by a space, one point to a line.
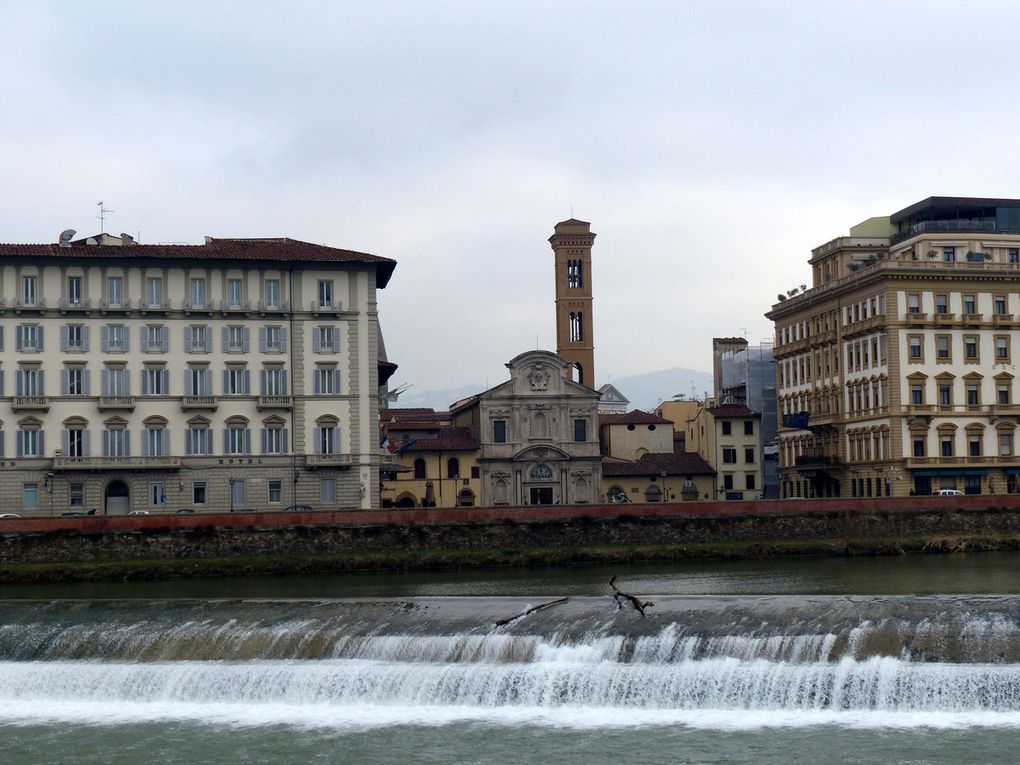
449 439
633 417
686 463
732 410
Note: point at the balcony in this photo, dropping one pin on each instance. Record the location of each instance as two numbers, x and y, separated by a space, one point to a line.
68 306
275 402
198 306
276 307
1002 318
114 306
30 403
35 305
107 403
815 458
329 460
236 306
116 463
147 306
199 402
318 307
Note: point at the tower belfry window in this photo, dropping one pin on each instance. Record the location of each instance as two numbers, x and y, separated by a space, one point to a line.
576 327
575 274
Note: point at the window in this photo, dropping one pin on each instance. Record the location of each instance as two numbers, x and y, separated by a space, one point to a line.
476 472
325 339
949 254
156 441
453 468
973 445
76 495
274 440
1002 393
30 495
916 351
236 381
575 274
941 304
973 394
749 480
155 339
199 439
237 492
116 382
29 338
326 379
115 291
576 325
729 456
116 442
29 381
197 339
154 291
1006 443
273 339
155 381
325 293
945 394
74 337
114 338
275 492
727 428
274 381
76 442
30 442
272 293
75 381
326 439
728 482
327 491
1001 348
235 339
29 293
918 446
942 348
580 430
946 444
969 304
1000 305
198 493
234 293
499 431
237 439
749 456
157 494
917 394
198 293
913 303
1013 254
419 469
74 290
197 381
970 347
748 427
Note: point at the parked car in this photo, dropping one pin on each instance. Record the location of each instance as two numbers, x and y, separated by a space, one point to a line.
9 516
139 512
947 493
298 509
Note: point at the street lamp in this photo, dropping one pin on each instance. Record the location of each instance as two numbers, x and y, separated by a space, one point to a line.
231 493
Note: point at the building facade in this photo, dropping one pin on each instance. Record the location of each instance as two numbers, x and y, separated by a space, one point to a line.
241 374
895 369
571 242
537 435
727 437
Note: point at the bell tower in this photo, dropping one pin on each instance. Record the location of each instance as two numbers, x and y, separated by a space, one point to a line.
571 242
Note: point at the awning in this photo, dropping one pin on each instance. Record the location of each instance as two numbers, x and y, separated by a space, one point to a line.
949 472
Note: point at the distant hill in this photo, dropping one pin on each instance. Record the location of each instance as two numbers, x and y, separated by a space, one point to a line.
645 391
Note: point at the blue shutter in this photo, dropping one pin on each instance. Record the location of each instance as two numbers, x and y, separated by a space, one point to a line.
262 340
283 338
63 382
208 340
145 382
189 388
104 381
187 340
164 438
166 381
145 443
226 382
42 382
104 338
265 440
226 338
246 380
19 443
126 334
40 335
63 338
19 339
42 443
19 382
283 383
85 338
318 440
247 440
316 340
245 339
65 442
165 339
86 443
284 441
264 379
86 382
2 383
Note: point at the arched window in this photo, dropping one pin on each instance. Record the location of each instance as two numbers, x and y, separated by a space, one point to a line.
466 498
576 327
541 473
580 372
453 468
575 274
419 468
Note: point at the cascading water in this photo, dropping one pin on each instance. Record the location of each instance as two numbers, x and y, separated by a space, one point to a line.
725 662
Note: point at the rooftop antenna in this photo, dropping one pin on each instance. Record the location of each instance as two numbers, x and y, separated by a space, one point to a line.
103 212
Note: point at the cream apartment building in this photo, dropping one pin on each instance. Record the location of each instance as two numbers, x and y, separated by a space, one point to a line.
896 369
240 374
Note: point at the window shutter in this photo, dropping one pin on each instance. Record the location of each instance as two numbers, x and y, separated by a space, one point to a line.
104 381
265 440
262 340
126 334
19 382
316 340
226 382
1 348
65 442
336 339
63 338
283 383
245 339
145 382
166 381
283 338
318 381
284 440
187 339
225 332
63 382
164 439
19 339
85 338
39 330
2 440
42 382
1 386
86 443
86 382
42 443
104 338
246 380
189 388
247 441
165 339
127 443
19 444
318 440
264 382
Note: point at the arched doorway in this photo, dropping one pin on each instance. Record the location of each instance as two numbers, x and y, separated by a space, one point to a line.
117 498
406 500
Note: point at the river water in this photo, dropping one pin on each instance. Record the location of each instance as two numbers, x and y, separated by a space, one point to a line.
913 659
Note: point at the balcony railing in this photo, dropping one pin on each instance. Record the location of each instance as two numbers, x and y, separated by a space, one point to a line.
280 306
235 306
118 463
24 403
77 305
116 305
116 402
199 402
813 458
329 460
317 306
35 305
275 402
198 306
145 305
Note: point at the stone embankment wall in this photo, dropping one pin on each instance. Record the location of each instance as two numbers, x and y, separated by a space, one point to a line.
881 523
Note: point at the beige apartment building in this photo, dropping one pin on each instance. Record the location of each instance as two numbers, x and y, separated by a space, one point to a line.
240 374
726 436
895 369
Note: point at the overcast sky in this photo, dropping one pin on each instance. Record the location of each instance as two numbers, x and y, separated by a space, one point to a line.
711 145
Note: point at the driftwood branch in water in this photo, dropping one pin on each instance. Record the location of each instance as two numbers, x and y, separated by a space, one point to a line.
619 596
539 607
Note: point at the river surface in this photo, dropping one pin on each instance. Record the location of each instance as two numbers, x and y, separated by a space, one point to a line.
913 659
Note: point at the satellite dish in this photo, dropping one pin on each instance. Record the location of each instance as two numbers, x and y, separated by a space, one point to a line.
65 237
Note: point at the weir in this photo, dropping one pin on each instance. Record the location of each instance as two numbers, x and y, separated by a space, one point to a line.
951 660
